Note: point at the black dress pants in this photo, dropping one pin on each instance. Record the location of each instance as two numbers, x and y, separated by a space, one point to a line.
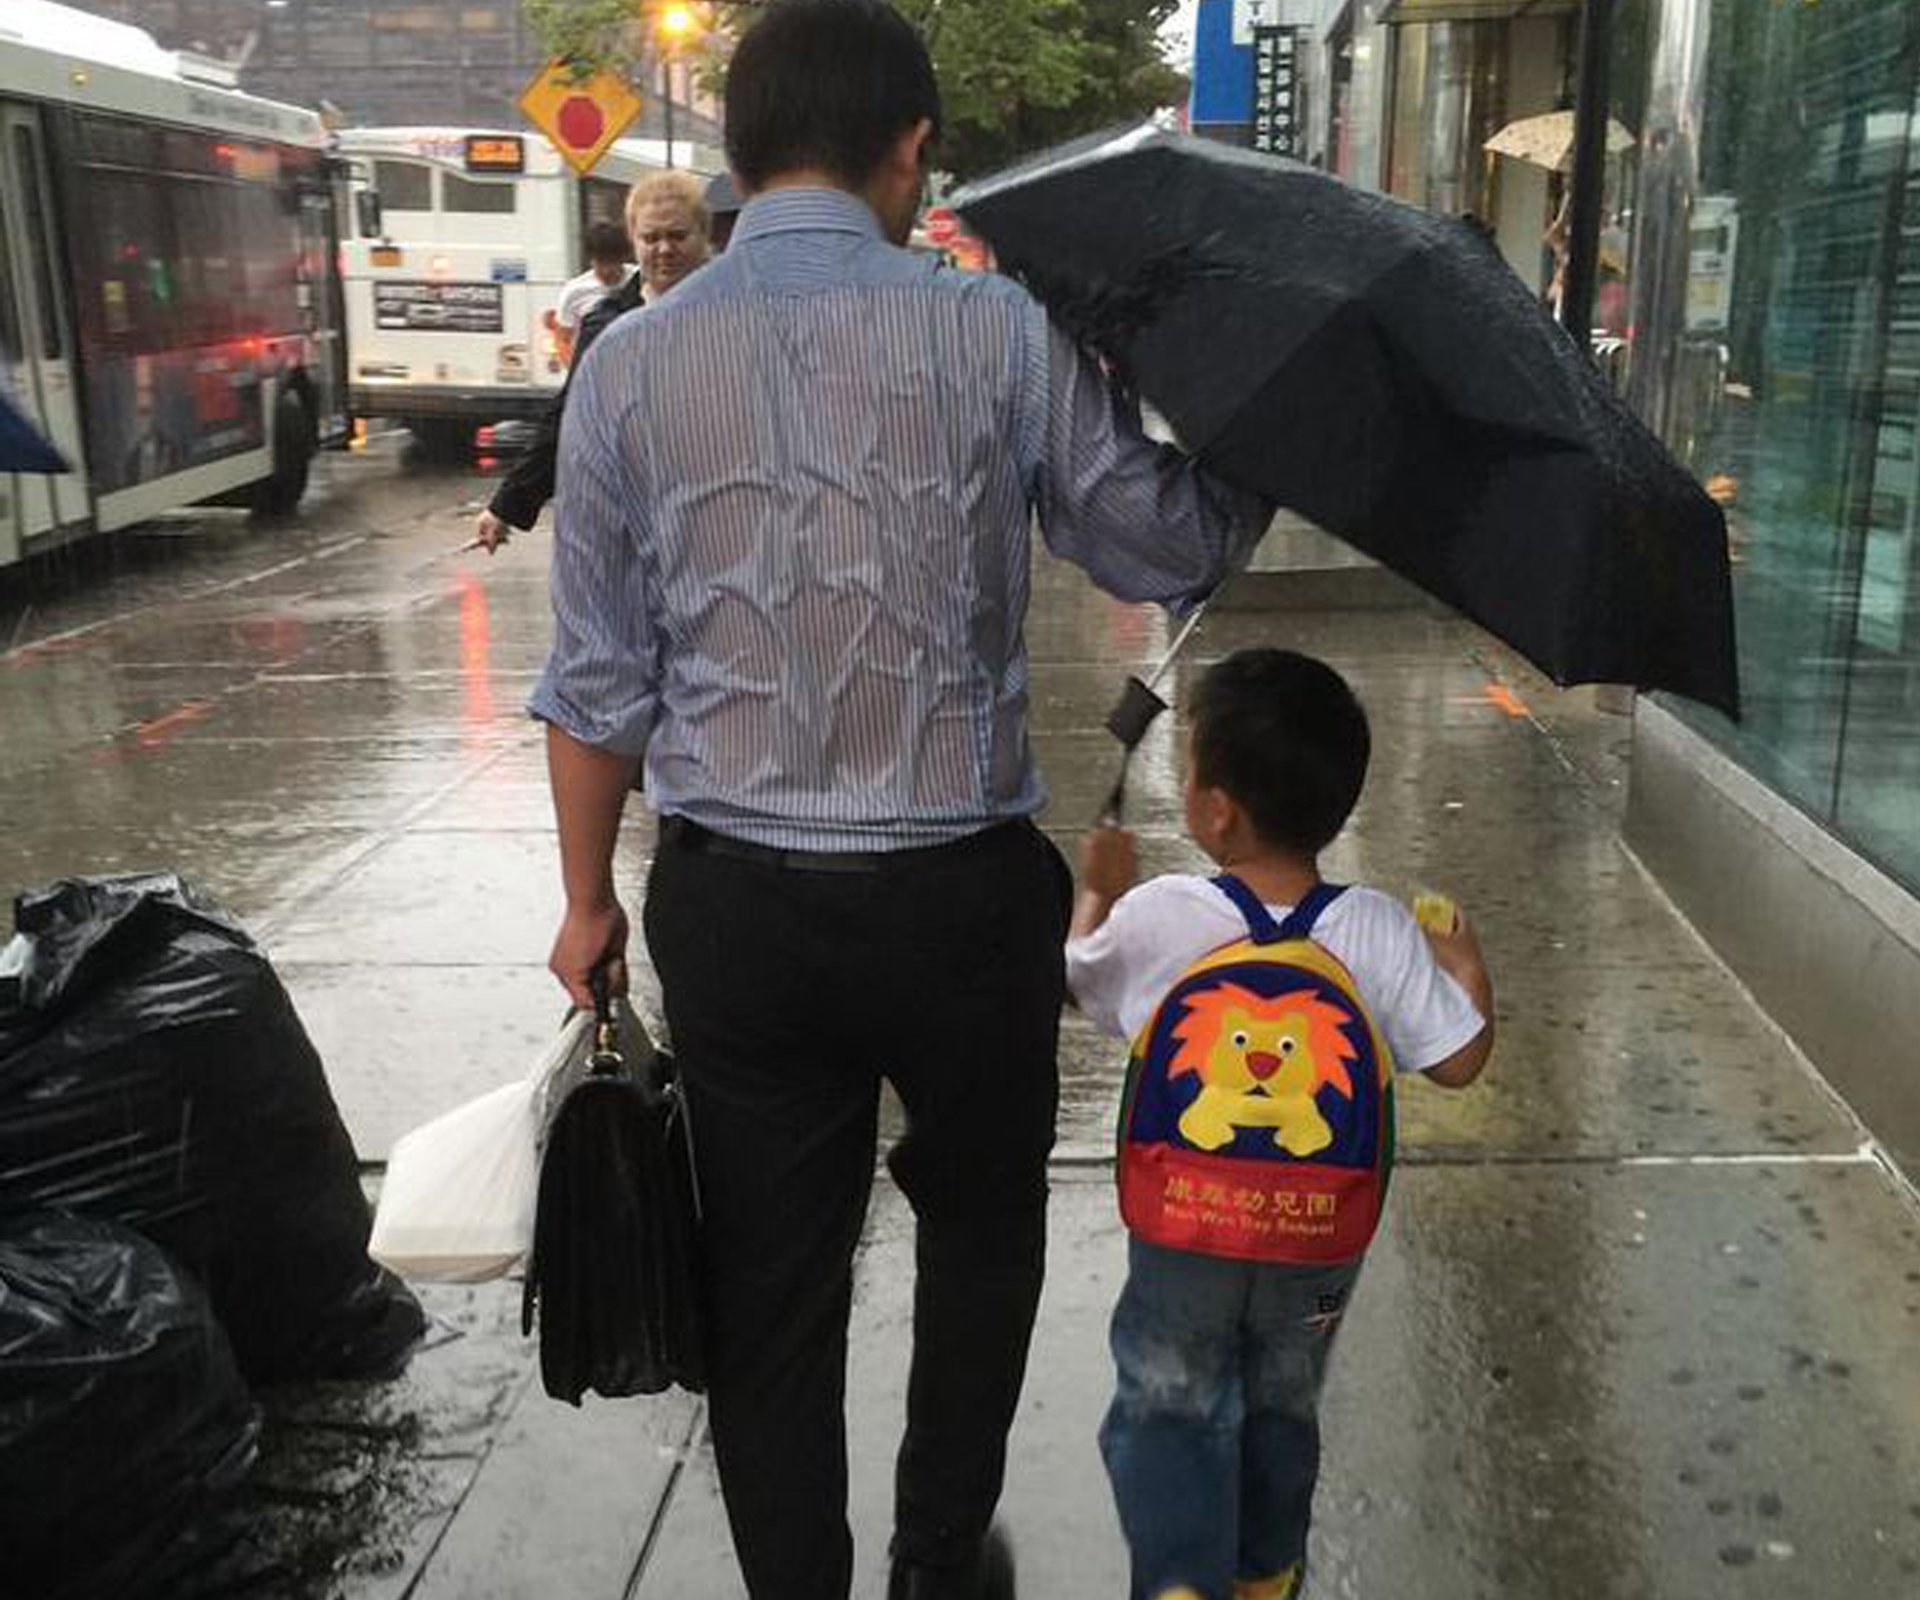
790 993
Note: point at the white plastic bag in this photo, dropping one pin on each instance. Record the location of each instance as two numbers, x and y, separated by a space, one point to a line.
458 1201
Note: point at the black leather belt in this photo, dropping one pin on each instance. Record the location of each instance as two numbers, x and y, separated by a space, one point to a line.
688 835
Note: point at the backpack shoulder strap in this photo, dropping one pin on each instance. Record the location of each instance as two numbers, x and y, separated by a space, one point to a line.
1261 927
1301 919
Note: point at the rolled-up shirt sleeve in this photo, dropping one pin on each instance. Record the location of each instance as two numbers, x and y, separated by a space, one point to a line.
1145 520
602 678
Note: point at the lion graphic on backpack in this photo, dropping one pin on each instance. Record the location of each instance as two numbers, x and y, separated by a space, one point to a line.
1260 1063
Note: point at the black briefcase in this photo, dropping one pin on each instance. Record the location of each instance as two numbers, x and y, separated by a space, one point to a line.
611 1278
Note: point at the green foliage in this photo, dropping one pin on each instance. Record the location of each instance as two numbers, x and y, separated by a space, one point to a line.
1014 74
996 59
589 33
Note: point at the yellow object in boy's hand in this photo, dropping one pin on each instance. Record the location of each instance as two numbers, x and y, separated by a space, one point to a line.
1435 912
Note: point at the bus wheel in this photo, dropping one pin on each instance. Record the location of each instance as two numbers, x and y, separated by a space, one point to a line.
279 494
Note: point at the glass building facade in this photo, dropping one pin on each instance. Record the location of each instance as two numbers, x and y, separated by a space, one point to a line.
1776 304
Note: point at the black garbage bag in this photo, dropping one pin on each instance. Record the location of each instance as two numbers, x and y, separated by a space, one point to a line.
121 1409
153 1071
611 1277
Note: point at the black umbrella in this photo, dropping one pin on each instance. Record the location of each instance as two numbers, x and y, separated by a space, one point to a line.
611 1277
21 447
1383 372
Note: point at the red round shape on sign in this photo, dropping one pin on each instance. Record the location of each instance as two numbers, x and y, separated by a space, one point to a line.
942 225
580 122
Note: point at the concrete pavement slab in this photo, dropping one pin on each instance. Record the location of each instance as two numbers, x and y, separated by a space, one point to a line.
244 868
1626 1380
437 899
406 707
560 1507
246 637
404 1043
318 783
1633 1383
1676 1069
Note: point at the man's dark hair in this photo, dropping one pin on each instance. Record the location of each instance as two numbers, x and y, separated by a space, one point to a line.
607 241
1284 736
828 84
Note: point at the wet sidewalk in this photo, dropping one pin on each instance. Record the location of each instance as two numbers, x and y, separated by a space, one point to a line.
1644 1318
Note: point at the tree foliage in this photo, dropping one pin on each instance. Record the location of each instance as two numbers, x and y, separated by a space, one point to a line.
1014 74
590 33
1110 70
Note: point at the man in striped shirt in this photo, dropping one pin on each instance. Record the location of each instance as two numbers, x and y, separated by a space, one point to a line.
791 570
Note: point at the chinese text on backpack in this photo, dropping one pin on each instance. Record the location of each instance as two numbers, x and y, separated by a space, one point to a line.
1258 1120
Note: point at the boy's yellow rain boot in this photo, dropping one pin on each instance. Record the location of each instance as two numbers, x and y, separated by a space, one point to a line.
1283 1585
1181 1593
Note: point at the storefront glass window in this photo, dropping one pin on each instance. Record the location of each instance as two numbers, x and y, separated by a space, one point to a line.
1449 98
1360 49
1795 392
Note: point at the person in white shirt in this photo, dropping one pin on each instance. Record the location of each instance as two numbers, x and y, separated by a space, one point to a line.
607 269
1212 1441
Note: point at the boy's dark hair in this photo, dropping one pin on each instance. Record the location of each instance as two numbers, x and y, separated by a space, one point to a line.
607 241
828 84
1284 736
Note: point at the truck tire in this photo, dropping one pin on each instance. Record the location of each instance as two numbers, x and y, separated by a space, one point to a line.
294 442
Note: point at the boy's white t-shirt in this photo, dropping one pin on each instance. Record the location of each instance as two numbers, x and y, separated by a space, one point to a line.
580 295
1123 969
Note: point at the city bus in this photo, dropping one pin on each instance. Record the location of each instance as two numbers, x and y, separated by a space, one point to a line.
463 239
170 310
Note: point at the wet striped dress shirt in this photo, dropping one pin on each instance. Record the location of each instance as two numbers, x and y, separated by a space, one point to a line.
791 551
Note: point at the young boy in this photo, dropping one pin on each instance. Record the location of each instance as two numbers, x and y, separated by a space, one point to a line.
1212 1441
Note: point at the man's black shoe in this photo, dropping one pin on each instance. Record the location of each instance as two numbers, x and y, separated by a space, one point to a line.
988 1576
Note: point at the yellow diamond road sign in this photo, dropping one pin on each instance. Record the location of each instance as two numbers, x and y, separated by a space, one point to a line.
581 118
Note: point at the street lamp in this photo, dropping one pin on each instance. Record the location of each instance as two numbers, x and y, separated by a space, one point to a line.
676 24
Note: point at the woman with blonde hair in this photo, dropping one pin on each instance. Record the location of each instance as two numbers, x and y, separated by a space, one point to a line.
671 229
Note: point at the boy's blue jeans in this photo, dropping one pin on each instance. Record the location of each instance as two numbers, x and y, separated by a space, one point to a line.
1213 1438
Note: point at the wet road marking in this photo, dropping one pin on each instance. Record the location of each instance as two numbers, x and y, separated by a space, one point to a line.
156 731
68 638
1498 695
1503 697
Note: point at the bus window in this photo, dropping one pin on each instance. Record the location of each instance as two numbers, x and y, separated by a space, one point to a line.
134 295
602 200
207 261
39 243
403 185
464 194
269 246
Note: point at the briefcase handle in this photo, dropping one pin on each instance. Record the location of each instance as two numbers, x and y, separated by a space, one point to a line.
605 1057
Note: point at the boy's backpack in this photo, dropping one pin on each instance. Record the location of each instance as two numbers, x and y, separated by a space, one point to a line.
1258 1119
